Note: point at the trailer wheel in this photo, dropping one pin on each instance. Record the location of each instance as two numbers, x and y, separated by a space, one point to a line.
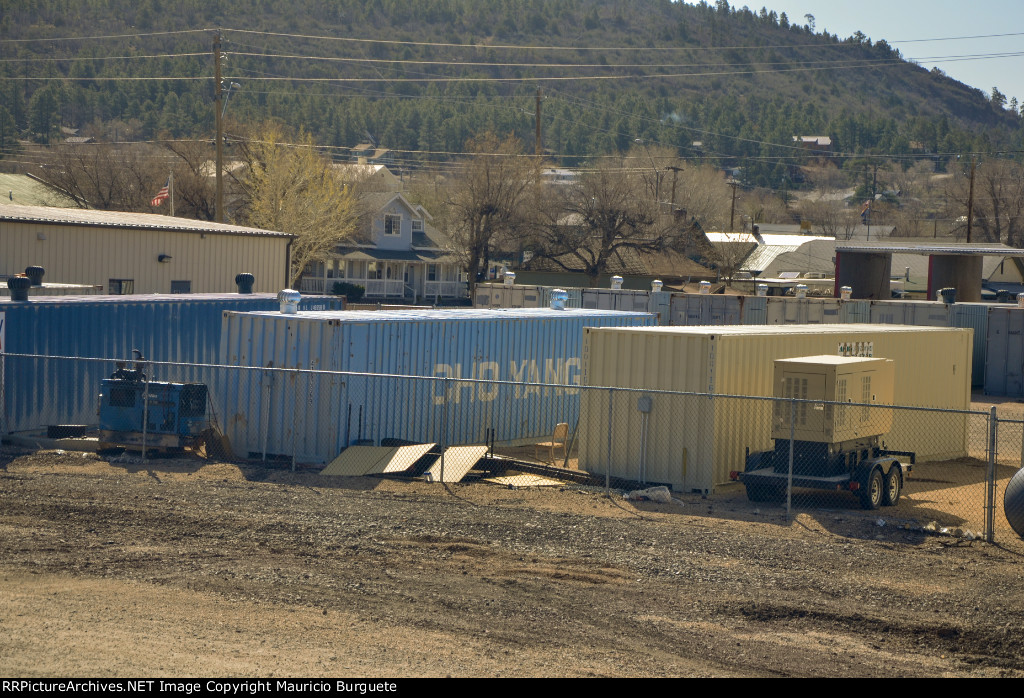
893 487
872 491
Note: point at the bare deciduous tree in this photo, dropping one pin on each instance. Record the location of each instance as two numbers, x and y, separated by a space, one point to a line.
488 201
764 206
609 209
105 176
705 195
194 185
998 202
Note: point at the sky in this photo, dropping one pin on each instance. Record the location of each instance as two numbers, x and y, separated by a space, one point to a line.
904 23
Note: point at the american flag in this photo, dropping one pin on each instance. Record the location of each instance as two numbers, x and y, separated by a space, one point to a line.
164 193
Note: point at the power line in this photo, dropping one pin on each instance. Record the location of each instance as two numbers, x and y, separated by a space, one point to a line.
104 36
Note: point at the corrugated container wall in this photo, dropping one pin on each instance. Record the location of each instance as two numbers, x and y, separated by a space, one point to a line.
262 415
974 316
183 328
693 442
694 309
1004 359
802 311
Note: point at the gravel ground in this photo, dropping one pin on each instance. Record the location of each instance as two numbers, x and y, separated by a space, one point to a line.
185 567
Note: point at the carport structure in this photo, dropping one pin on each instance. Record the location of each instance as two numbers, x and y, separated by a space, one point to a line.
866 267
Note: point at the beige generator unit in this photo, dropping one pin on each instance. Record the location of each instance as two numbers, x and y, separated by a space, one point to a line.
831 382
828 432
701 399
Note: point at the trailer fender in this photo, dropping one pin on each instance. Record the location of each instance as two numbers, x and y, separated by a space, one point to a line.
756 461
884 463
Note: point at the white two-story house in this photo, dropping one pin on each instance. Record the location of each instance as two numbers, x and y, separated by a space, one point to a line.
397 255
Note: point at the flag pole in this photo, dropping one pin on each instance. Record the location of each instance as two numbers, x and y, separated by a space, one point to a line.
170 180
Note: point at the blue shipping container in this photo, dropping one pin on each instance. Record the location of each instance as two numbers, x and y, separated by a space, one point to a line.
316 415
164 327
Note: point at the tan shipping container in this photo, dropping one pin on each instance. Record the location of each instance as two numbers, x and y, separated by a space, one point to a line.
693 441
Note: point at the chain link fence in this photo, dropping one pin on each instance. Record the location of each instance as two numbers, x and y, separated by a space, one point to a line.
930 469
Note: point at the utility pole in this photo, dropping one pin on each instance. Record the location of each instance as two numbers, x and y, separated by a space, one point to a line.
538 150
219 121
675 172
732 213
970 203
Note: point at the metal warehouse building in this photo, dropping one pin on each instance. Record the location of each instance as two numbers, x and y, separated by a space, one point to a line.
130 253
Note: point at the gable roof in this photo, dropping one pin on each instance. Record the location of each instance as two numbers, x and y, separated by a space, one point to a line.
666 264
22 190
118 219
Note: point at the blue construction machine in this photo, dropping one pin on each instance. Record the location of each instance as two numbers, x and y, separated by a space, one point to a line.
138 413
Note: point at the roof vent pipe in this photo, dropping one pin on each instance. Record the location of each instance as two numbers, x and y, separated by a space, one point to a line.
245 280
289 301
657 285
35 275
616 283
558 298
19 286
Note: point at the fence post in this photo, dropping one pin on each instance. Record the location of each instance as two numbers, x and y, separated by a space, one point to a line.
444 421
608 452
990 489
792 437
145 411
295 402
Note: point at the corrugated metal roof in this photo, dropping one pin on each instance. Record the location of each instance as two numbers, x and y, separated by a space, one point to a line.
774 329
119 219
771 247
22 190
150 298
985 248
460 314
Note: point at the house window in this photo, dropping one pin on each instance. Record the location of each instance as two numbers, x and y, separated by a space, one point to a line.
181 287
392 224
121 287
336 269
431 272
417 226
374 270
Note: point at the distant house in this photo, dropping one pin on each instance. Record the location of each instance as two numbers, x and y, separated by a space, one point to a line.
368 153
396 255
638 270
558 175
370 178
772 255
819 144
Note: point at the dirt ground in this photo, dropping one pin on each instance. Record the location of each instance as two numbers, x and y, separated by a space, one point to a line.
118 567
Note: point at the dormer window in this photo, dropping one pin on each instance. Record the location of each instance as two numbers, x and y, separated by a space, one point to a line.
392 224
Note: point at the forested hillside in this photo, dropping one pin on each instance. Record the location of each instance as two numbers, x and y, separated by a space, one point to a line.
422 76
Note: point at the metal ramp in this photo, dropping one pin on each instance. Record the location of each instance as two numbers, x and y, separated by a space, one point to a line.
458 460
356 461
